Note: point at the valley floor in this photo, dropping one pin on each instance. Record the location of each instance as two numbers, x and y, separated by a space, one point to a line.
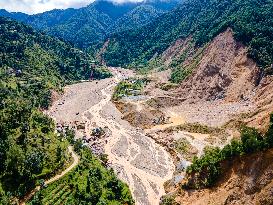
136 158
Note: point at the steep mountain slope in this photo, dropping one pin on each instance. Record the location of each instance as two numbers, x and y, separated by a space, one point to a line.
140 15
224 66
33 55
221 71
32 67
250 20
92 23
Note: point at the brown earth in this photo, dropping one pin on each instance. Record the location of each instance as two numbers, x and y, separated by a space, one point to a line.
246 180
144 118
176 50
99 55
224 71
264 101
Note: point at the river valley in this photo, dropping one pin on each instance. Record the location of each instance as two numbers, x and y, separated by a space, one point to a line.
137 159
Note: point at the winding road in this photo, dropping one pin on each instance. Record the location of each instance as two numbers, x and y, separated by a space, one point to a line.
55 178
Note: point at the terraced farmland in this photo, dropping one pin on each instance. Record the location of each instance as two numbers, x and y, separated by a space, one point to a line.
88 183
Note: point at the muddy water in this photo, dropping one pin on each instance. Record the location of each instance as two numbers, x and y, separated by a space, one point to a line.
137 159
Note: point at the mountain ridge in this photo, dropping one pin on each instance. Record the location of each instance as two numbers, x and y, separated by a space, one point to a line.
93 23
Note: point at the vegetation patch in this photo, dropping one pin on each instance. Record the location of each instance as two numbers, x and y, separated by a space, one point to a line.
181 72
130 87
155 63
30 151
102 73
168 200
183 147
205 171
181 59
168 86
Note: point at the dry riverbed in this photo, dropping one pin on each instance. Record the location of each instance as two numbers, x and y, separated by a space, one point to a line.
136 158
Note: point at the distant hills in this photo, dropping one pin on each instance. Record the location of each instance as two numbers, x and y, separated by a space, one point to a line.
93 23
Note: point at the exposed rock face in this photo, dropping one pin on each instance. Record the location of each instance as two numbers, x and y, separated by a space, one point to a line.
248 180
224 71
224 74
264 100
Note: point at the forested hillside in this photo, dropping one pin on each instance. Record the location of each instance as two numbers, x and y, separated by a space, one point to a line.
250 20
32 66
93 23
14 15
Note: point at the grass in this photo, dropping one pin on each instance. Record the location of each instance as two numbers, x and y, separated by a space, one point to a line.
168 86
182 146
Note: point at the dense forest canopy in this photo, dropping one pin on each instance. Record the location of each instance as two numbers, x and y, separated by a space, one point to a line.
250 20
20 45
85 26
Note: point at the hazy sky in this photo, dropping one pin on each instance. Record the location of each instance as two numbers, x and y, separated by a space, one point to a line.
38 6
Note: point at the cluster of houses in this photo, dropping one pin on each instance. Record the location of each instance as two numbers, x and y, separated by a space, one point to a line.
94 140
97 140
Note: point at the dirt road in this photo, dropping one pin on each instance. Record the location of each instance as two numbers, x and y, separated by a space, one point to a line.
137 159
74 164
55 178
